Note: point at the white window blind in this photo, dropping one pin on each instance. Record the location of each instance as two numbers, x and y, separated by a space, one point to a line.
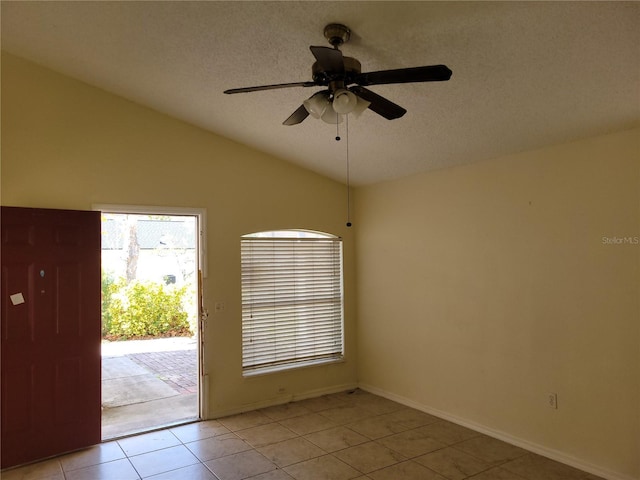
291 299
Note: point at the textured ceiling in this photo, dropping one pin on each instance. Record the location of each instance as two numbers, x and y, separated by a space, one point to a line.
525 74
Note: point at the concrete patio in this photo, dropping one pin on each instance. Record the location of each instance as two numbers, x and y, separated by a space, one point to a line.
148 384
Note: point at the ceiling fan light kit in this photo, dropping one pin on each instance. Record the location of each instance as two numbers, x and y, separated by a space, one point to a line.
317 104
331 116
344 101
345 82
320 105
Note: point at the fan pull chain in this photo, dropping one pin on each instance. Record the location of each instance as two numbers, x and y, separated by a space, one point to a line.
347 151
348 180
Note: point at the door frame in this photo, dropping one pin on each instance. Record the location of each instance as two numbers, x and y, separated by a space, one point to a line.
201 274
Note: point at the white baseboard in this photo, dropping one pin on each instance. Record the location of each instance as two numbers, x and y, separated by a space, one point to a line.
527 445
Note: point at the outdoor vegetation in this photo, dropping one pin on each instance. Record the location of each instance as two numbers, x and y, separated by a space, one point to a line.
142 309
160 301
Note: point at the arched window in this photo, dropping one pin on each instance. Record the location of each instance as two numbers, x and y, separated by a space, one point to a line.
292 307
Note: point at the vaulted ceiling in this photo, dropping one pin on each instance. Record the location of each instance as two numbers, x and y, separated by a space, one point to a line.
525 74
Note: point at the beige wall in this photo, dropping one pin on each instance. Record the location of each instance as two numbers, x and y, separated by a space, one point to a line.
69 145
483 288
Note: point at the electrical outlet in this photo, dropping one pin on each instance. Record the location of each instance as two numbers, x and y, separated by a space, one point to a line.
552 400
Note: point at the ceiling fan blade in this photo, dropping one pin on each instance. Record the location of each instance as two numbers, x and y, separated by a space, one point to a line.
329 59
270 87
432 73
380 105
297 117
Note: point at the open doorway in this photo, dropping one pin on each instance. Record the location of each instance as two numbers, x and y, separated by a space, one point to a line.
150 319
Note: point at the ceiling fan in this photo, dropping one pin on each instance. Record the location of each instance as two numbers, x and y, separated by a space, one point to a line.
346 92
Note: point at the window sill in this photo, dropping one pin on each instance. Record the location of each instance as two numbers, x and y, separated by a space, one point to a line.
255 372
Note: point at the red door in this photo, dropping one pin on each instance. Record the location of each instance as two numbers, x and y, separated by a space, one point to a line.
50 327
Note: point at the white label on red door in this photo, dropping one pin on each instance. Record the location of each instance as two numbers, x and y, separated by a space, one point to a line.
17 298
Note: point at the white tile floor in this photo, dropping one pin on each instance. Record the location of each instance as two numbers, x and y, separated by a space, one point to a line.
335 437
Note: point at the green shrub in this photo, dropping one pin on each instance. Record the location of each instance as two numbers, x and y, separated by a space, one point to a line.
108 289
145 309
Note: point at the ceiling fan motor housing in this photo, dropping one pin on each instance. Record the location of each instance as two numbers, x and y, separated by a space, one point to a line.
352 68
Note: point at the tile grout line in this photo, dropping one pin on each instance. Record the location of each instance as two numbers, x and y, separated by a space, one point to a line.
192 434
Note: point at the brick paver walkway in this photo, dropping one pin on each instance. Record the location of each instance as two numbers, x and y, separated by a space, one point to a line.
178 369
